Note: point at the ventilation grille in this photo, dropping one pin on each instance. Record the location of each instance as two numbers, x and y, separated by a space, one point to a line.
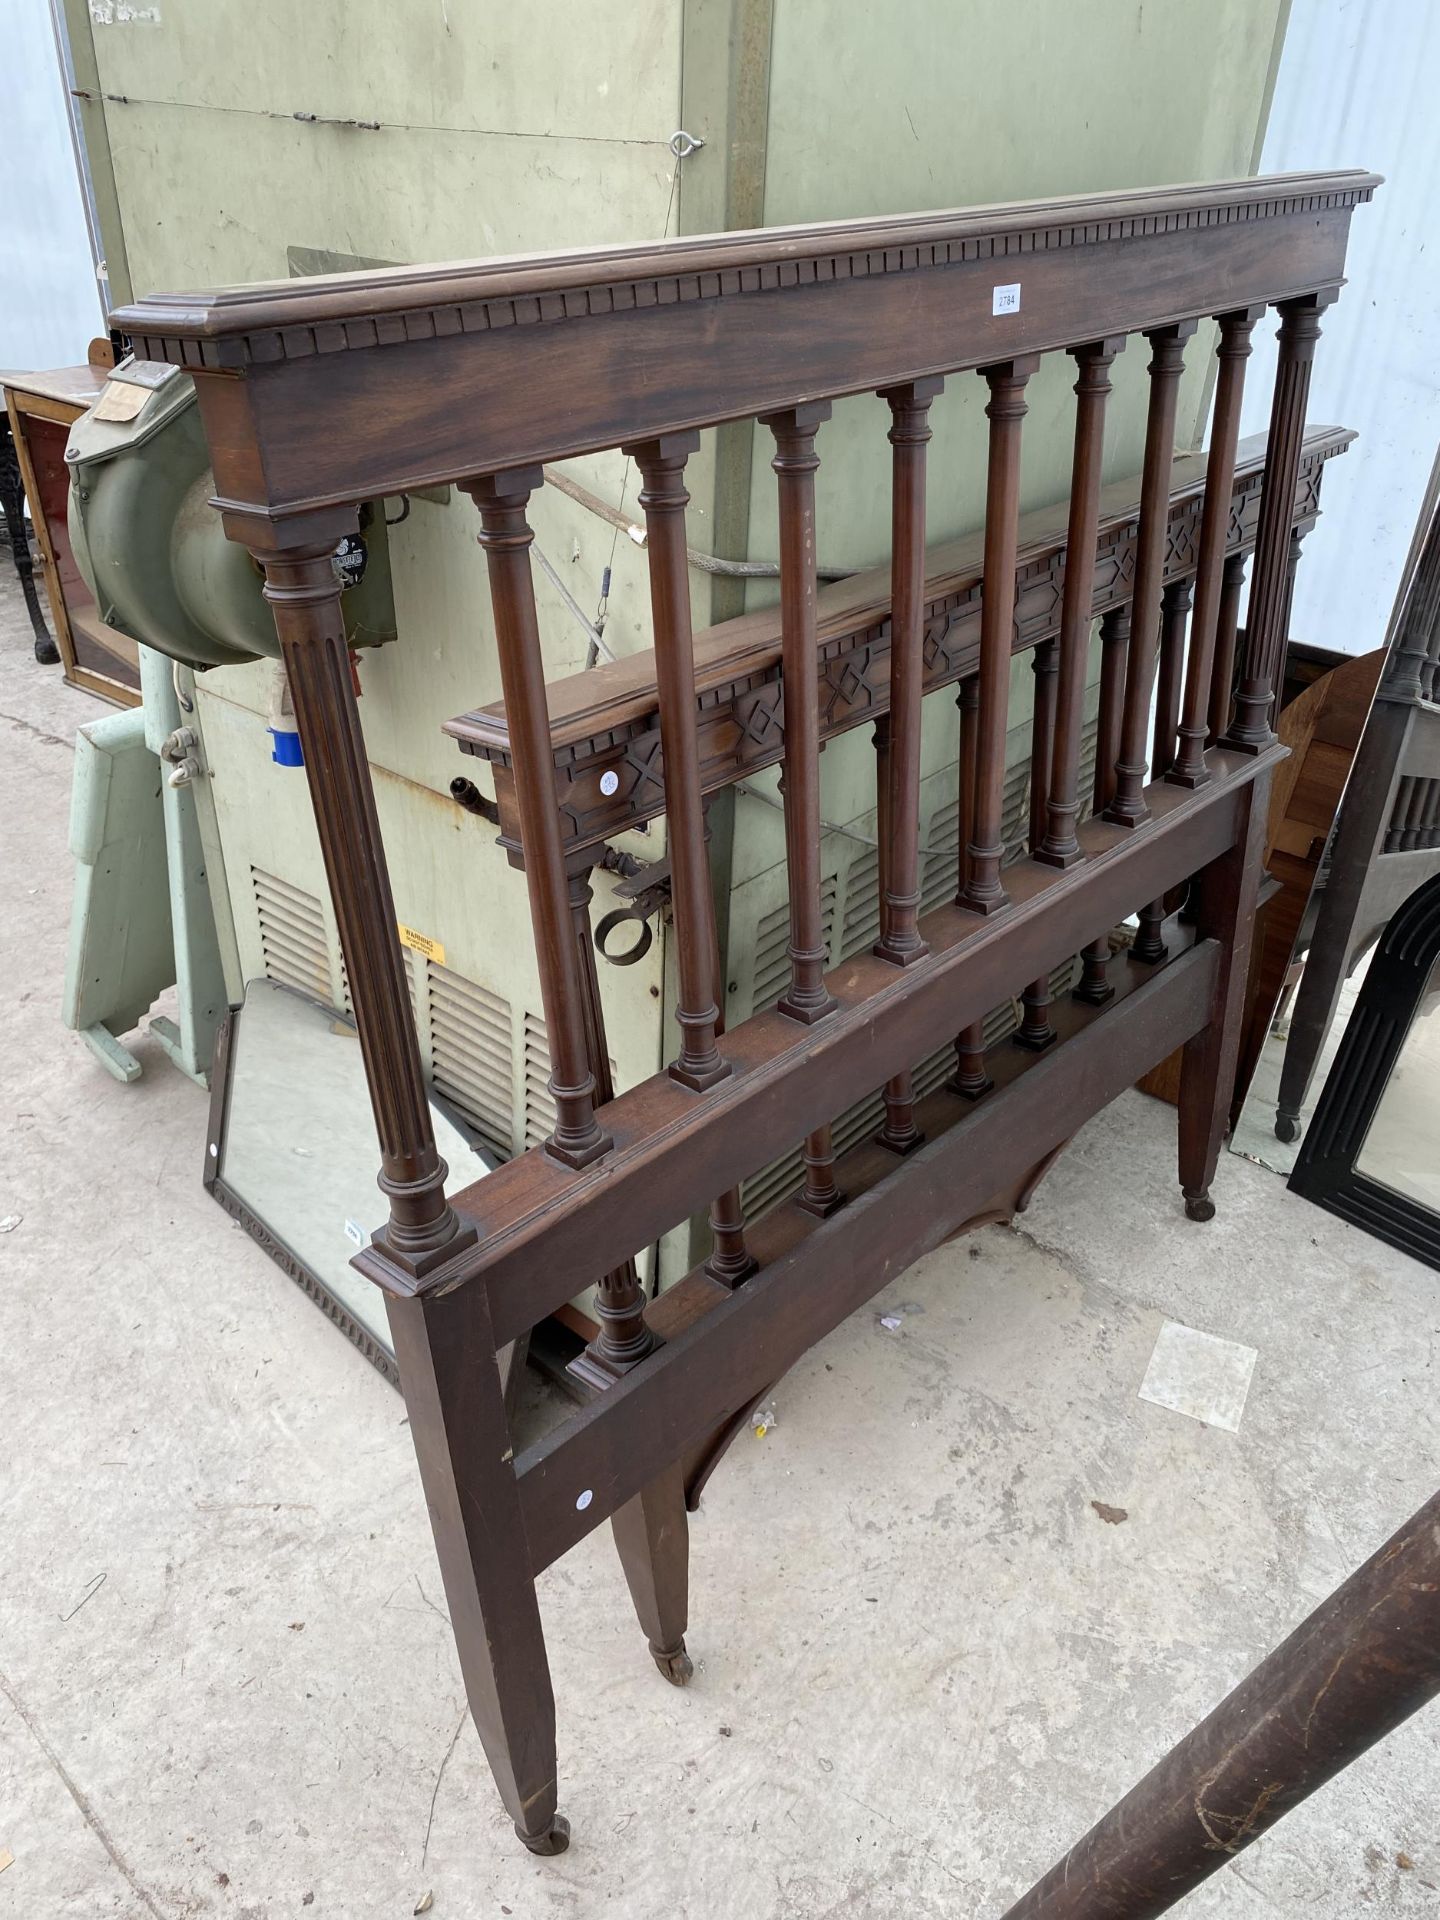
940 873
861 926
940 862
292 936
1015 811
472 1055
772 946
407 964
1089 753
539 1106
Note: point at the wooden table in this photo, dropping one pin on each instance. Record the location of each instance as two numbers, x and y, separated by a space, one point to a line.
41 408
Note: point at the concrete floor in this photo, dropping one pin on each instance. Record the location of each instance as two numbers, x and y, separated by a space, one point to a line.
924 1662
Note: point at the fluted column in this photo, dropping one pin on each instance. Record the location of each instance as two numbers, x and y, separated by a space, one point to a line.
1265 621
303 589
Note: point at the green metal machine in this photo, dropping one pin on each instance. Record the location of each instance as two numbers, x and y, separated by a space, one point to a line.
152 548
143 830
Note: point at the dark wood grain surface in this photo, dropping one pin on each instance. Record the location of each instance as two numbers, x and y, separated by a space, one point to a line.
319 394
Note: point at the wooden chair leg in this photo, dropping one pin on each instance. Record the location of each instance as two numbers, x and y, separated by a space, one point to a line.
1224 911
1355 848
653 1538
448 1369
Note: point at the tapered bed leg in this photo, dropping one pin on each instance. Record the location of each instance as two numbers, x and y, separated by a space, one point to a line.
1225 911
446 1355
653 1537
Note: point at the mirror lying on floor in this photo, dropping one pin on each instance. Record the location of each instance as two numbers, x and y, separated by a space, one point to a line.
1384 846
1372 1151
1402 1147
292 1153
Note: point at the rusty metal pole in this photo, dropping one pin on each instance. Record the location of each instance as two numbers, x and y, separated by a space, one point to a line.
1364 1661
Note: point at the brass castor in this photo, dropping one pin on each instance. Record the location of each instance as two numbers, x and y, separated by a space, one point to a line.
675 1664
555 1839
1199 1207
1287 1127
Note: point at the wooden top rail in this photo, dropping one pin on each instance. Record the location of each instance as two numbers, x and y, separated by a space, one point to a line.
363 384
607 720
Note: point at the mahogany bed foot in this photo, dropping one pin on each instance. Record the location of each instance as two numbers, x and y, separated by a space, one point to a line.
555 1838
285 444
675 1664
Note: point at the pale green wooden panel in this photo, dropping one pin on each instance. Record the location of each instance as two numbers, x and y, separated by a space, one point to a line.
591 72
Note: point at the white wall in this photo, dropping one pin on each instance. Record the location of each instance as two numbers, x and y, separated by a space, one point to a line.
49 300
1359 86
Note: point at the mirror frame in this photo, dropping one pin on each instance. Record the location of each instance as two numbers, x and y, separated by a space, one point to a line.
1327 1170
264 1236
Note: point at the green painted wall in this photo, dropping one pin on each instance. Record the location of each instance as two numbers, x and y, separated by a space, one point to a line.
933 103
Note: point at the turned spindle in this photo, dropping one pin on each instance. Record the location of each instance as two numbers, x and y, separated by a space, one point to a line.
899 1132
1094 986
1005 411
969 1079
663 498
909 435
1227 638
1127 806
506 537
1175 604
807 998
1057 845
1035 1031
623 1339
1232 352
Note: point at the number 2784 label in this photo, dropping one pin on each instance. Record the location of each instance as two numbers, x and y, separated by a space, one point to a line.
1006 299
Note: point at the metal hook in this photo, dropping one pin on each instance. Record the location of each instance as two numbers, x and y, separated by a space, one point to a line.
629 955
683 144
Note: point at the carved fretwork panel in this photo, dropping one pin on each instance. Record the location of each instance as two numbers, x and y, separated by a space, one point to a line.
741 718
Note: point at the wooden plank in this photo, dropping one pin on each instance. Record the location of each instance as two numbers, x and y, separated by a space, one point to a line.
244 315
346 409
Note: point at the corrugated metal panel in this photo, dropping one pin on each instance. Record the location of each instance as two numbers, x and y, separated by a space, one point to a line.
1357 86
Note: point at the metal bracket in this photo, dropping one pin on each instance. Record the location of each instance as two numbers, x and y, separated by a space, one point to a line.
646 893
466 794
